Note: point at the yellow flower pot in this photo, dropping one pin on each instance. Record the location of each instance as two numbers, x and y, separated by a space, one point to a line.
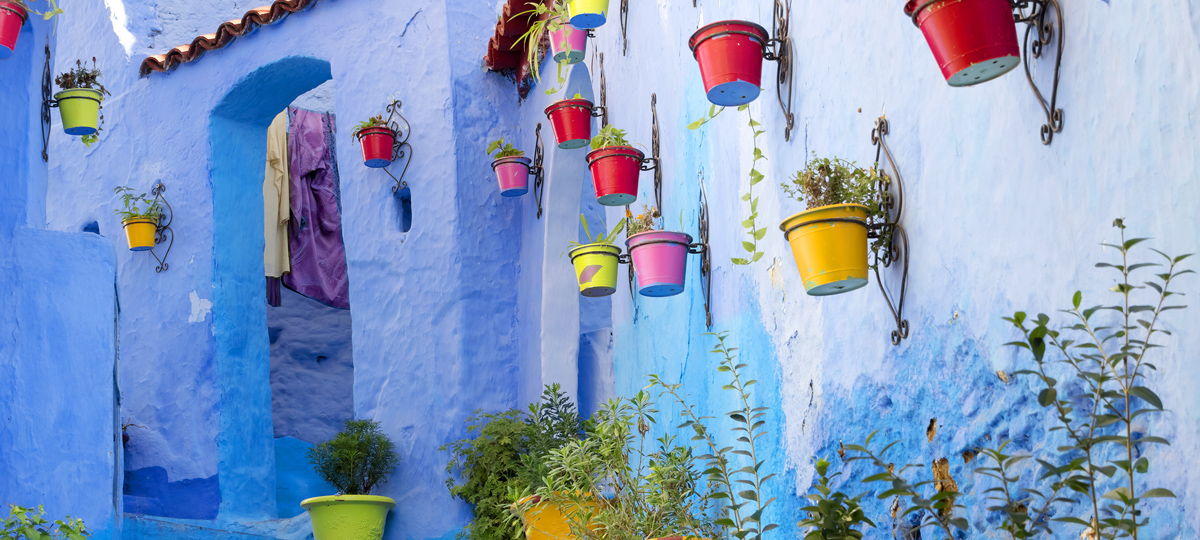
140 232
545 520
830 247
596 268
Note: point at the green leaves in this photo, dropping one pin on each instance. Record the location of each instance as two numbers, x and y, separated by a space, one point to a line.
506 150
28 524
609 136
357 459
750 223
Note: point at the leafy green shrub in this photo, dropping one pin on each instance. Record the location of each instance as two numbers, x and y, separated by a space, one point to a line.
503 459
24 524
609 136
832 515
137 205
827 181
505 150
357 459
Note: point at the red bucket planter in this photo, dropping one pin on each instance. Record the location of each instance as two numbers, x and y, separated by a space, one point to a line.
513 174
615 171
572 121
12 18
660 260
730 54
973 41
377 144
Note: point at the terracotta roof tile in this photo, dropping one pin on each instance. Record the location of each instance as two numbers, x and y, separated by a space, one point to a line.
506 56
225 34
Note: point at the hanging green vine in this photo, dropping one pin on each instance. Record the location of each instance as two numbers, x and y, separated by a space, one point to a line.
751 222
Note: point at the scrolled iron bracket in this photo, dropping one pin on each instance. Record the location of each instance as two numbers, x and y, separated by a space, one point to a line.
537 171
703 249
889 237
779 49
163 231
401 142
654 163
624 27
601 111
1036 19
47 103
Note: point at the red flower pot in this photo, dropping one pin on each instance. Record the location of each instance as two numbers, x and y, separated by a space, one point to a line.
973 41
730 54
615 171
572 121
12 18
377 143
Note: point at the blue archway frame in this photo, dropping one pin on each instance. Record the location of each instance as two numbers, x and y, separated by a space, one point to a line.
238 136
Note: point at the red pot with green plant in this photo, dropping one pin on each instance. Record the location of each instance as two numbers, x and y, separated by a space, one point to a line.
377 140
13 15
973 41
511 167
615 167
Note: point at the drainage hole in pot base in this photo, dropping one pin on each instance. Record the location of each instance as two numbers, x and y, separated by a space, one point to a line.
80 130
377 163
732 94
514 192
838 287
984 71
588 21
596 292
617 199
660 290
572 145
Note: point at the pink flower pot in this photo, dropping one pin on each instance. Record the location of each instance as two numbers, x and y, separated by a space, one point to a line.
513 174
568 44
660 259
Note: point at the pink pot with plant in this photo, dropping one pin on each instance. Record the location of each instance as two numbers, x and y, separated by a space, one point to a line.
660 261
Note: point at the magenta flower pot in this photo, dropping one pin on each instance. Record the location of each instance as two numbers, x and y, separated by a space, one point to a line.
568 44
660 260
513 174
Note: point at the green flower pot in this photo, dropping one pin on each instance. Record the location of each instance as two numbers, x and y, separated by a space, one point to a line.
348 517
80 110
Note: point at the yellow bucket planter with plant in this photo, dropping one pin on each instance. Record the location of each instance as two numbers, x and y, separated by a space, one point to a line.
79 101
596 262
829 240
140 215
354 462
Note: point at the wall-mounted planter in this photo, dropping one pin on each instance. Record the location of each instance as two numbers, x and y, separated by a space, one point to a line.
615 171
731 55
588 14
140 232
572 122
830 247
596 268
973 41
12 18
80 110
569 44
377 146
513 174
348 517
660 260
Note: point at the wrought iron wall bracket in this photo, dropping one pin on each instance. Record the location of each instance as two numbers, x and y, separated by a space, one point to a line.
537 171
1037 20
47 103
163 232
601 111
705 251
890 241
400 145
779 49
656 160
624 27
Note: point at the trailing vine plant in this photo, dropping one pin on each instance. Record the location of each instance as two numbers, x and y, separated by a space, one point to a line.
1103 459
751 222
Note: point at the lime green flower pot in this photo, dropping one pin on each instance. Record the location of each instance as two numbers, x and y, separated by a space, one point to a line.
80 110
588 14
348 517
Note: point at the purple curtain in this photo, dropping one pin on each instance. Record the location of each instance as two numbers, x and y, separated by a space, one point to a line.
315 231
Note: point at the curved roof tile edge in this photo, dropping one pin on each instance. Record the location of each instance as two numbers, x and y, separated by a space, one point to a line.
225 34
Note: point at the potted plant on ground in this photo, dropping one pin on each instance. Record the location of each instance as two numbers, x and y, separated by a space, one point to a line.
79 101
354 462
829 240
596 261
378 141
615 167
973 41
511 167
588 14
140 215
572 122
659 257
731 55
29 524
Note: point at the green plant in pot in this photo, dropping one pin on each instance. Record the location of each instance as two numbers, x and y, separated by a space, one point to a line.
616 167
596 261
829 239
550 25
354 462
29 524
140 216
511 168
79 101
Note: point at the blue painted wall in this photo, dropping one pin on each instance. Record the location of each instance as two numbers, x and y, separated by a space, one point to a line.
476 307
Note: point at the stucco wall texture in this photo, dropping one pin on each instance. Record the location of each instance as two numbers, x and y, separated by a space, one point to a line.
476 307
